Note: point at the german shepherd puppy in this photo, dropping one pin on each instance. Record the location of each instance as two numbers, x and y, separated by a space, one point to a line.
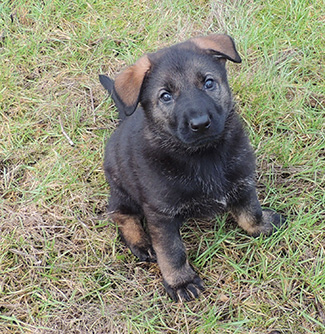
179 152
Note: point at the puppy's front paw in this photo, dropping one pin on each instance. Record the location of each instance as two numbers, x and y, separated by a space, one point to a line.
185 291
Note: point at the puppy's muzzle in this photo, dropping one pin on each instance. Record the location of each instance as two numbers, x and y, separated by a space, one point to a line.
200 123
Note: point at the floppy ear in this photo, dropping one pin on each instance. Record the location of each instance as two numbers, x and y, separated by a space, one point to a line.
219 45
128 84
108 84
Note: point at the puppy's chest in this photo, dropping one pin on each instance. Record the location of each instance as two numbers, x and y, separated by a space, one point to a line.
198 192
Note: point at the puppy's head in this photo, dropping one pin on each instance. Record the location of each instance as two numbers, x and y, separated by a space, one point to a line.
183 89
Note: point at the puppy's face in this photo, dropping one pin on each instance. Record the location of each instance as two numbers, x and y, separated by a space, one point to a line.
186 95
183 89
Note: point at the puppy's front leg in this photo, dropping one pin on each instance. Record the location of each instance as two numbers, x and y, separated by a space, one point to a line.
180 280
249 215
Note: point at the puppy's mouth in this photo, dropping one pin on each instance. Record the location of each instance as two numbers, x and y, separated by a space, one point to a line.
208 137
200 141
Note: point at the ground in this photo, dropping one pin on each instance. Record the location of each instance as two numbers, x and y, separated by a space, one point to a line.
62 267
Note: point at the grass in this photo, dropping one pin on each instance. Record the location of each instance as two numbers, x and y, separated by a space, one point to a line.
62 267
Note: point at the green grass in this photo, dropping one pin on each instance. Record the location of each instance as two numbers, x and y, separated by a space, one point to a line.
62 267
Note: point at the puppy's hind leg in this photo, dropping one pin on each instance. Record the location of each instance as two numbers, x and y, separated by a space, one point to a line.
249 215
132 233
127 215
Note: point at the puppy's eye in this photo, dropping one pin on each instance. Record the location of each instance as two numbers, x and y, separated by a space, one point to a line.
165 97
209 84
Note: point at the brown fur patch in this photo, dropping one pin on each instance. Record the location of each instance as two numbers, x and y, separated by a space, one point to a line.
247 222
130 228
128 83
268 223
219 43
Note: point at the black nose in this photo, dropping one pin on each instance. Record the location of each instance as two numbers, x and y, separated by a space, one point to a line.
200 123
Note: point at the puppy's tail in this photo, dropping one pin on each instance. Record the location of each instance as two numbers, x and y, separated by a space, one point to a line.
108 84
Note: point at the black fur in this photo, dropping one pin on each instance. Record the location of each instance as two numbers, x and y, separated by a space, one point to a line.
187 157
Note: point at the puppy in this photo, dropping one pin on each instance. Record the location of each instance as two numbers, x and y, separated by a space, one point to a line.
179 152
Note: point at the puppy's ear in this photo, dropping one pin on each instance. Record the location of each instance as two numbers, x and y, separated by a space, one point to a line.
107 83
219 45
128 84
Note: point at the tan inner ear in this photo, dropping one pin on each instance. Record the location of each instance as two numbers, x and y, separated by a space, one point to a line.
128 83
216 42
